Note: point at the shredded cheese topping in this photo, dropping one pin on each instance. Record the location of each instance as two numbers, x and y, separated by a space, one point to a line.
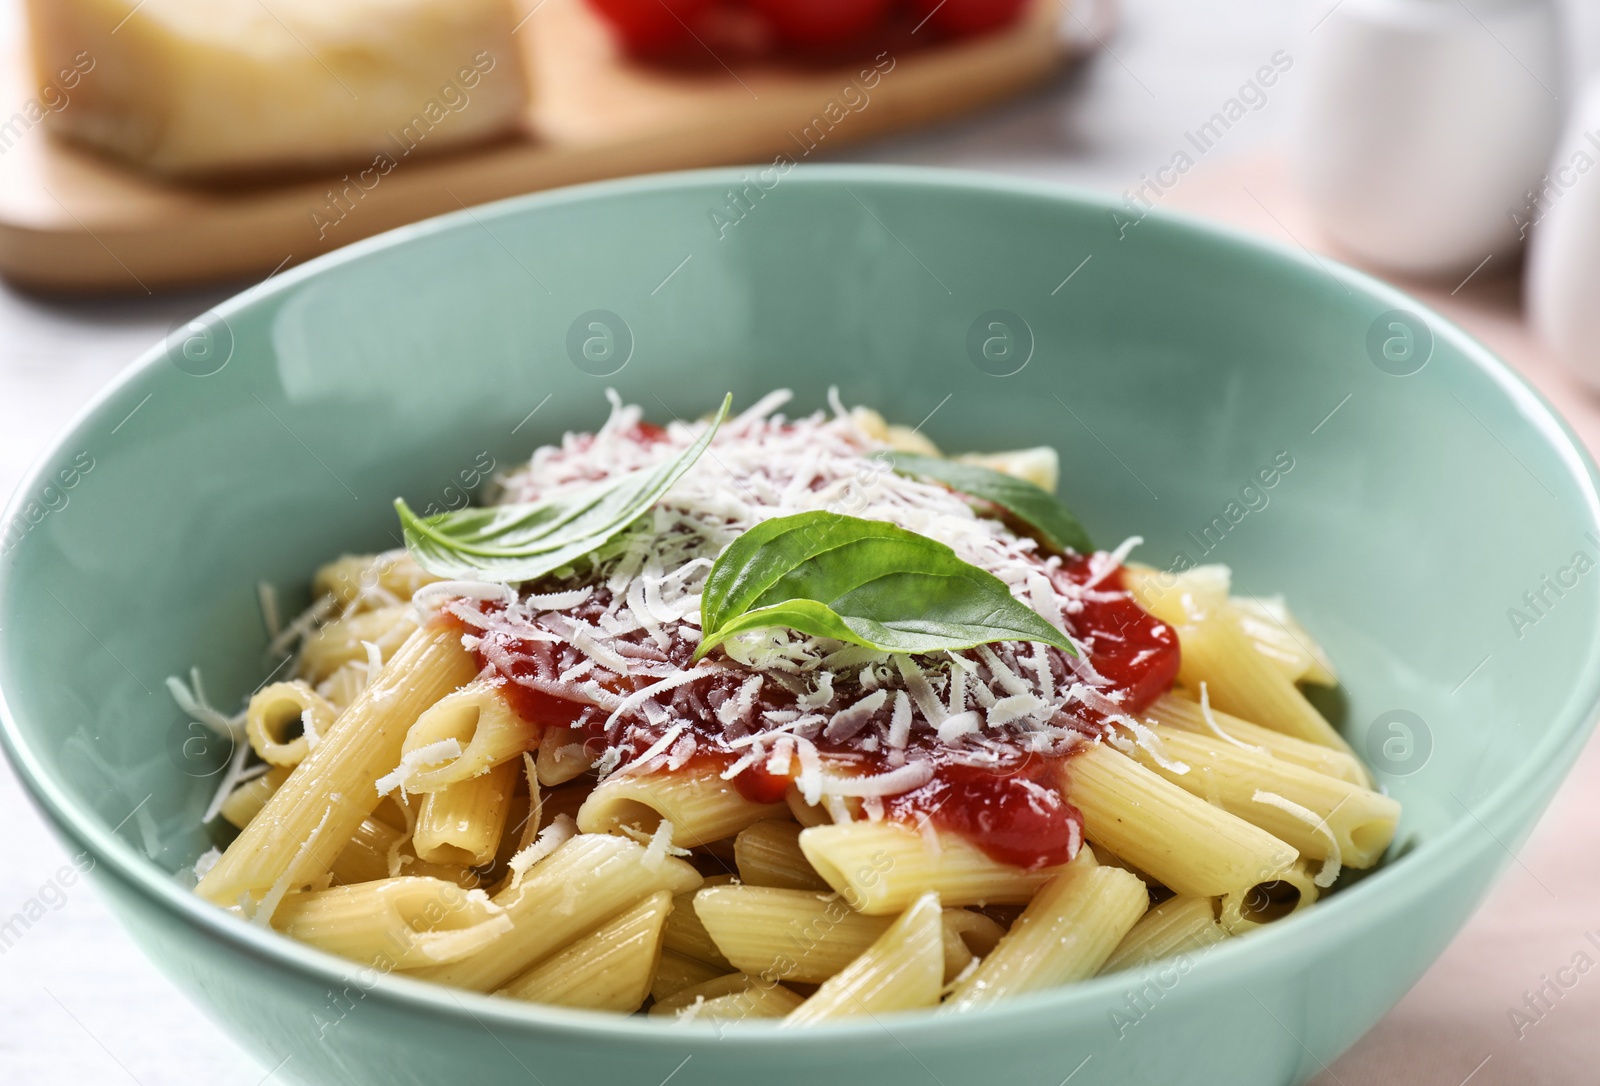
619 640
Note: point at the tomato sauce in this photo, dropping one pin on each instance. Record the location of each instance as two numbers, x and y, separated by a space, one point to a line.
1014 812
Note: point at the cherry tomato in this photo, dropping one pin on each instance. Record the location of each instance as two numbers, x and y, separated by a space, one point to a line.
652 27
961 18
820 24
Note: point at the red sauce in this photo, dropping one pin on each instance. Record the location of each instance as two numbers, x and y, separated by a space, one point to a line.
1015 813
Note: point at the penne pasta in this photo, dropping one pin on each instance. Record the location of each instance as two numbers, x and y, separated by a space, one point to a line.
308 821
563 757
609 969
284 720
1279 637
1267 901
246 801
1178 925
1181 713
882 867
462 823
688 936
701 806
675 972
345 641
1066 933
901 971
485 729
583 884
392 577
394 923
535 782
791 935
1322 816
730 998
1182 841
1244 683
968 936
769 854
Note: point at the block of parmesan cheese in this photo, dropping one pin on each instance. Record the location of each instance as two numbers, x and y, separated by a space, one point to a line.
197 87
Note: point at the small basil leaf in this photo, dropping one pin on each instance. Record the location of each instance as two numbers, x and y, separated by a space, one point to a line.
1034 506
520 542
866 582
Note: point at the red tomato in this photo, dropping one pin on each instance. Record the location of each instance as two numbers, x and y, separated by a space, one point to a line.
961 18
814 24
652 27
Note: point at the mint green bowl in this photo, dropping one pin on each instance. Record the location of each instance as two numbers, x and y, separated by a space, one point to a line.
1169 369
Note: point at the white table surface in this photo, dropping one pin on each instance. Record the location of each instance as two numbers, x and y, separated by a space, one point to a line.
78 1004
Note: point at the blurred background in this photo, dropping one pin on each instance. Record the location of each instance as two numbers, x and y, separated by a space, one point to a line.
158 156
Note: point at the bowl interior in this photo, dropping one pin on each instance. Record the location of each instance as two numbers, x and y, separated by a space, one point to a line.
1428 518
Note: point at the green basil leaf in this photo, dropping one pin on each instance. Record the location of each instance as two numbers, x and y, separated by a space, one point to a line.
867 582
1034 506
520 542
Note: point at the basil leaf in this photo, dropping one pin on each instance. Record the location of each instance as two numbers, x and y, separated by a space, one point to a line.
521 542
866 582
1034 506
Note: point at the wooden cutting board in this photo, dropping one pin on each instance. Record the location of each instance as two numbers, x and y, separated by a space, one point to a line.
73 222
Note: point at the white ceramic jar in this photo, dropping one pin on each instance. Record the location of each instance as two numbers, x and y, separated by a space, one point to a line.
1423 125
1563 274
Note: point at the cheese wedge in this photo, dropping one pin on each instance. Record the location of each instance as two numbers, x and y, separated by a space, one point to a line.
198 87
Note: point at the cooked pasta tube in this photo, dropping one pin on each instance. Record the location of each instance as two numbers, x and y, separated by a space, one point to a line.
309 820
563 756
375 852
1179 839
1178 925
346 639
1244 683
806 814
391 575
753 1002
583 884
1323 816
792 935
462 823
675 972
607 970
341 687
1267 901
903 970
882 867
246 801
394 923
1065 934
1179 598
373 848
687 934
1176 711
967 936
479 720
769 854
1279 637
275 711
701 806
733 997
